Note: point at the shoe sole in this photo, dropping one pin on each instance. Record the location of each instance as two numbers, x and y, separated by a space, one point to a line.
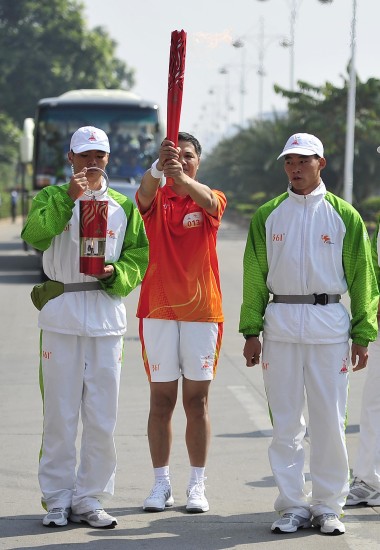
111 525
363 502
279 531
334 533
53 524
168 504
197 510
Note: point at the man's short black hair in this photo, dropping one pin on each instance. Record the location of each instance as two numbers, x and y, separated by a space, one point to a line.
184 136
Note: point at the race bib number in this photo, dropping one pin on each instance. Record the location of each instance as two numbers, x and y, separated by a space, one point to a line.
195 219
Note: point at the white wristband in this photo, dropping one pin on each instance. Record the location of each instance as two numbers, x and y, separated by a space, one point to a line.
156 173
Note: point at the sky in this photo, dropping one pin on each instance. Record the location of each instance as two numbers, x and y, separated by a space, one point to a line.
214 102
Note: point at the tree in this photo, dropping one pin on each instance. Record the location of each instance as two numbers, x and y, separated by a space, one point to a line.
45 50
322 111
246 164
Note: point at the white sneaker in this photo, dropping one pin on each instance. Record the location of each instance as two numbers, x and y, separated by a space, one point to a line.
290 523
56 517
95 518
329 524
361 493
160 497
196 499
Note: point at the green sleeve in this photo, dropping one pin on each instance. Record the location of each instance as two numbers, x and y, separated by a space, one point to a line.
51 211
375 256
359 273
132 264
255 271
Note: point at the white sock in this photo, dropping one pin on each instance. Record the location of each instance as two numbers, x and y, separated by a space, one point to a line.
162 474
196 474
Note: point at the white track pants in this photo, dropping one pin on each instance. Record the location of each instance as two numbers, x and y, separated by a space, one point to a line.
367 465
321 370
78 375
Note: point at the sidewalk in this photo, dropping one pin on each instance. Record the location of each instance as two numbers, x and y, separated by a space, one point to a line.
240 486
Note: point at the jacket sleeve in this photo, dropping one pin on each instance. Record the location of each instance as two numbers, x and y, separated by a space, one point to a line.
51 211
361 280
375 245
255 271
132 264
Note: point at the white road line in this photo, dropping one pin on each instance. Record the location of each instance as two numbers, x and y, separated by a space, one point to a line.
255 406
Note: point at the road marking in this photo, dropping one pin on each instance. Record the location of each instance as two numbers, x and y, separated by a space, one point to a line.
257 408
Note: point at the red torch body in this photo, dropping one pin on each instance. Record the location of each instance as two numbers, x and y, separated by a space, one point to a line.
175 86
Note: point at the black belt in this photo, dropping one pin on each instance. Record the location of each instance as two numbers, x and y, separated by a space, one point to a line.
313 299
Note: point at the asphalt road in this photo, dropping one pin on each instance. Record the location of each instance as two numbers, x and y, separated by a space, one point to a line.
240 486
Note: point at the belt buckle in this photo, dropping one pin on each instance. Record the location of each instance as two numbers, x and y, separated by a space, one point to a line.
321 299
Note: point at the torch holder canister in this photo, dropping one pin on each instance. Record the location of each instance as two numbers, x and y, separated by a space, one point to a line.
93 216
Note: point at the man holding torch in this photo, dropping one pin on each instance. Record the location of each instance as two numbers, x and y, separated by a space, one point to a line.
180 311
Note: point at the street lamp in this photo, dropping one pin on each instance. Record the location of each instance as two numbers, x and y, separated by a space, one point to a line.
225 71
294 5
240 44
350 124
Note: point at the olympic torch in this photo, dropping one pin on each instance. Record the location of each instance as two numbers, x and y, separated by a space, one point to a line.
93 231
175 86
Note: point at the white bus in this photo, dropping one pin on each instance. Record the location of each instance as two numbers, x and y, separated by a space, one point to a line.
132 124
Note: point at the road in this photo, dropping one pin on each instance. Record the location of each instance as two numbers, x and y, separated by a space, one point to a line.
240 486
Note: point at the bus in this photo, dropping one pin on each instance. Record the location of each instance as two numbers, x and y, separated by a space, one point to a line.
133 126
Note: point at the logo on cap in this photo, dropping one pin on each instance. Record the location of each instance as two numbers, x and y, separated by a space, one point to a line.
92 137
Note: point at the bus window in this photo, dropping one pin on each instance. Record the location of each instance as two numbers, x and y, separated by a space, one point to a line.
133 131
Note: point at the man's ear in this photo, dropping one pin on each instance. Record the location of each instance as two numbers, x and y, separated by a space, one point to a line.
322 162
70 157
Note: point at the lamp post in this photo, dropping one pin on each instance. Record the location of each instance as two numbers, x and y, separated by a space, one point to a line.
290 43
225 71
350 124
240 44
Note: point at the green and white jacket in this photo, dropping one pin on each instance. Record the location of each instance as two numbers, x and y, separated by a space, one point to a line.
53 227
306 244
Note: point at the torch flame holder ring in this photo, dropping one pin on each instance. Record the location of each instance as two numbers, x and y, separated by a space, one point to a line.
95 194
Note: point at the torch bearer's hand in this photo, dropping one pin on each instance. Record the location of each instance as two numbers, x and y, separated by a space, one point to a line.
78 185
107 272
167 152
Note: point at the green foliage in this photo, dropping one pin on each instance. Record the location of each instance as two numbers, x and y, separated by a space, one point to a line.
9 150
9 140
246 163
370 209
46 49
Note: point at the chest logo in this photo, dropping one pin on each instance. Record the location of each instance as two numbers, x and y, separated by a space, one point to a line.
326 239
278 237
111 234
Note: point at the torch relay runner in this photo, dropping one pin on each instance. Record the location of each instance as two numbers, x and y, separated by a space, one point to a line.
180 311
82 320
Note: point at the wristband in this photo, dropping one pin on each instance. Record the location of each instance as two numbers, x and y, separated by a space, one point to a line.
246 336
155 172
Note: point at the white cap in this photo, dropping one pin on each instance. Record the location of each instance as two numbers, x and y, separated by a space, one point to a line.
378 149
89 138
302 144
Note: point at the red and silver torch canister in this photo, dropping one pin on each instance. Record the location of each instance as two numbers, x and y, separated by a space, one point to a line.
175 86
93 231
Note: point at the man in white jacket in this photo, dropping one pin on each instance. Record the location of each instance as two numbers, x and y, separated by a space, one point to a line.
82 327
306 248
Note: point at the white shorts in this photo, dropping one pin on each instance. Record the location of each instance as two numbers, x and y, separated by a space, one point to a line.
172 349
